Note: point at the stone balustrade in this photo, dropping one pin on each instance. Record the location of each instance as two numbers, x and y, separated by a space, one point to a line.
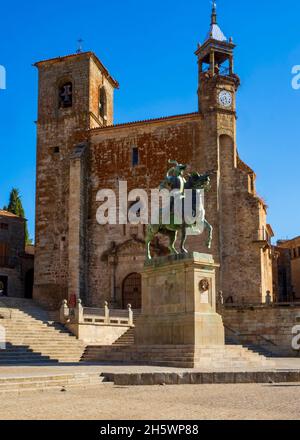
98 316
96 325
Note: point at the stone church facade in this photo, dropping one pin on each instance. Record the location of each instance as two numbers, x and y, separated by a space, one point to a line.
80 151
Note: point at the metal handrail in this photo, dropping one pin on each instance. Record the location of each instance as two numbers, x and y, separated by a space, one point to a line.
261 305
239 334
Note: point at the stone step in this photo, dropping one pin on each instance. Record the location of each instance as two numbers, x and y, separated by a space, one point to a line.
20 347
56 341
28 324
42 342
39 352
180 356
124 350
50 382
20 360
126 339
45 332
34 358
41 335
50 355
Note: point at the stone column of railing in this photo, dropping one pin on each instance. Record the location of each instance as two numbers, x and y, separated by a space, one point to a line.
64 312
106 313
130 315
79 312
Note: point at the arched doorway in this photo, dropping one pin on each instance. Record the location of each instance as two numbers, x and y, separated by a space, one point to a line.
28 284
132 291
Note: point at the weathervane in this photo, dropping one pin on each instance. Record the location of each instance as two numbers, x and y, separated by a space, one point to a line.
214 12
80 41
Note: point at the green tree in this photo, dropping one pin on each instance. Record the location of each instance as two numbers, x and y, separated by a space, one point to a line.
15 207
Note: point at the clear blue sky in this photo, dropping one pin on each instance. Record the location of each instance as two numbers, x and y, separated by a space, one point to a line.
149 47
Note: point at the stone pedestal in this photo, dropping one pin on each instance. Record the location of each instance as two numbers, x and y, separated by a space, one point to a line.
179 302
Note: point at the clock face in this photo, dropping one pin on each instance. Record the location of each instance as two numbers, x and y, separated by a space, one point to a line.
225 99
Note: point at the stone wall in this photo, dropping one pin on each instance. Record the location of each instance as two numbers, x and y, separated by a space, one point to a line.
111 161
266 326
59 132
235 213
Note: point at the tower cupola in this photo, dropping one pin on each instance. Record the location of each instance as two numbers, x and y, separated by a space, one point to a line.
215 64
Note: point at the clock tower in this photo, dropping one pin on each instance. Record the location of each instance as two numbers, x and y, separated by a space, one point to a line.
217 89
217 81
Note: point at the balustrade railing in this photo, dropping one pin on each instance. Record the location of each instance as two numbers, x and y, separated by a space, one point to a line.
96 316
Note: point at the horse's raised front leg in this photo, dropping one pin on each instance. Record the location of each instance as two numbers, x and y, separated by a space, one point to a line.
183 250
210 233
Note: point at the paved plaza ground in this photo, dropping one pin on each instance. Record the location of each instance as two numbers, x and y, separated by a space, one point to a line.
23 371
108 401
158 402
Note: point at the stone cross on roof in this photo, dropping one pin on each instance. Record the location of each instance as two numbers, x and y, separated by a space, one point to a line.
79 49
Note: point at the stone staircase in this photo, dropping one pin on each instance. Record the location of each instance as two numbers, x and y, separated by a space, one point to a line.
32 338
216 357
230 356
259 349
49 382
128 337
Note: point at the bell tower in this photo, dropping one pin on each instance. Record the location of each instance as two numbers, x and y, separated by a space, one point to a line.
75 95
217 87
217 83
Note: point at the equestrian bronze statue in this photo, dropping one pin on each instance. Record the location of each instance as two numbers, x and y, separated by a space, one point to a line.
194 184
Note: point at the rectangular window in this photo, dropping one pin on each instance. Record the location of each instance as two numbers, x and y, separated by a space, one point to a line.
135 157
4 226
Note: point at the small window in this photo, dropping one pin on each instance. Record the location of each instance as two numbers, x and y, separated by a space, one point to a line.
135 157
102 103
56 150
4 226
66 95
